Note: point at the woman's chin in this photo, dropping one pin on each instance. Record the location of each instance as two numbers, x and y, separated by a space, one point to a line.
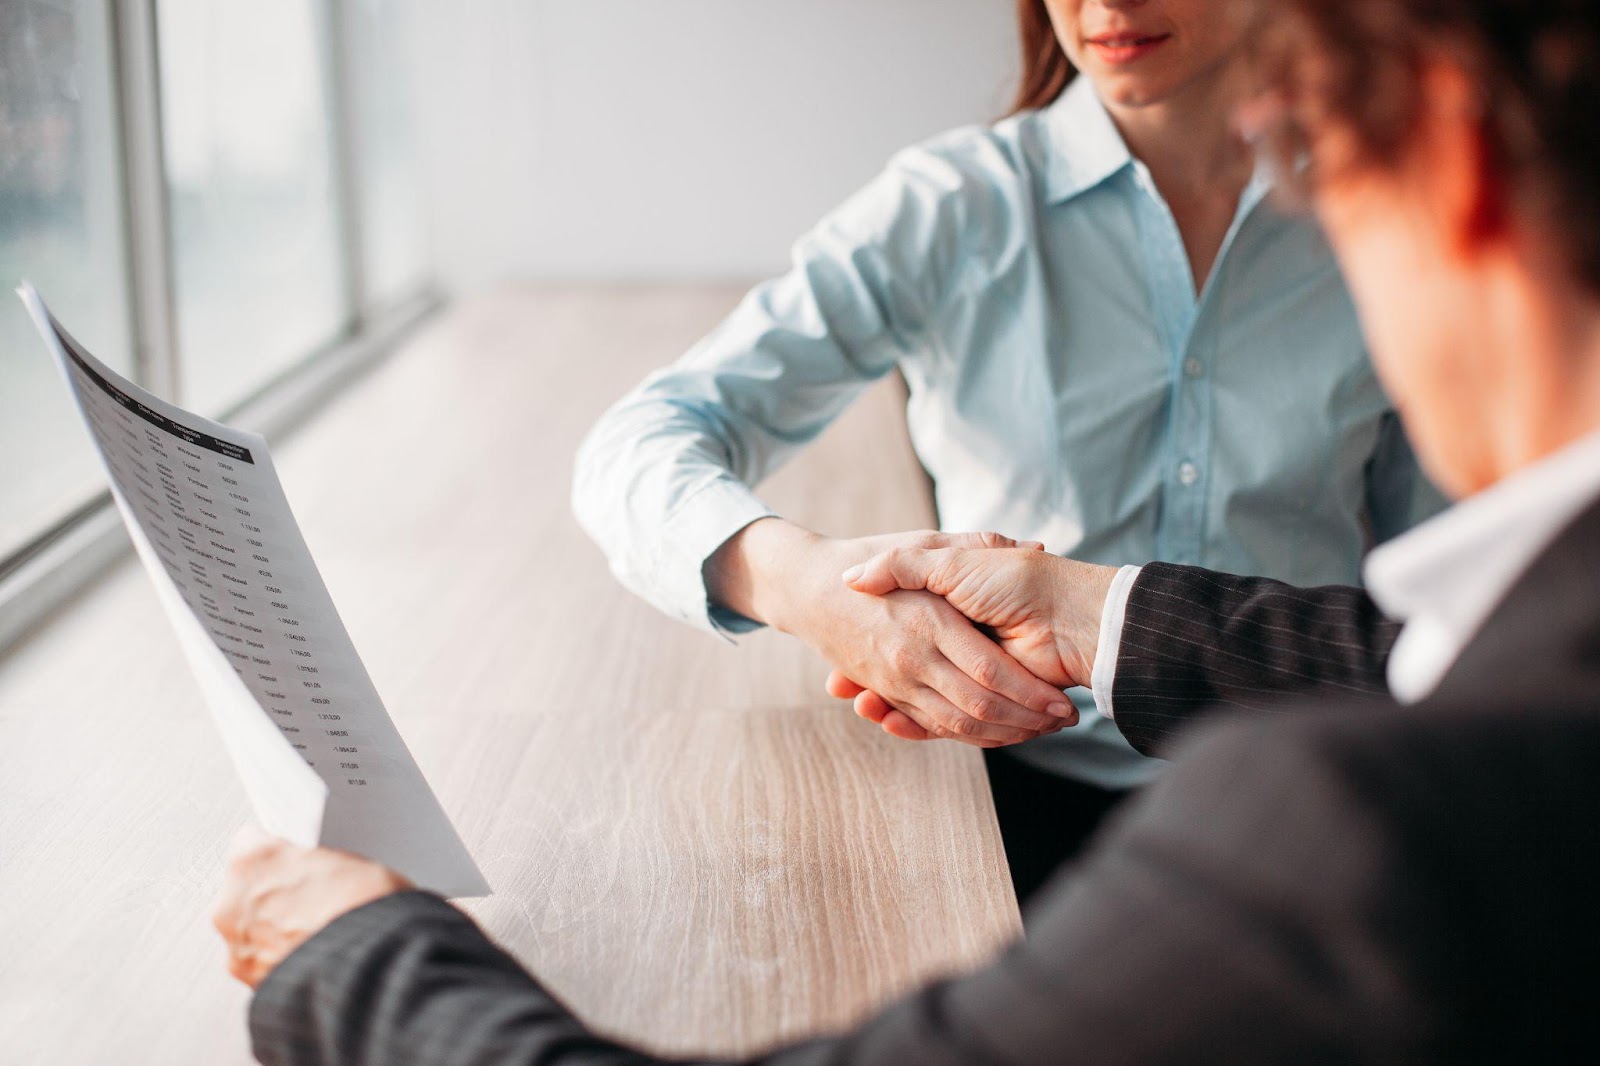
1129 89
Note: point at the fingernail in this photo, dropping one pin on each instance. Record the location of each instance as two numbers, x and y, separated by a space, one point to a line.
853 573
1060 710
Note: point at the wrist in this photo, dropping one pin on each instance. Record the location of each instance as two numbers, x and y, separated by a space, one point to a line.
756 571
1080 599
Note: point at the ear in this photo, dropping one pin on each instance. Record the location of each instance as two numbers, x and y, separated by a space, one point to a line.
1457 170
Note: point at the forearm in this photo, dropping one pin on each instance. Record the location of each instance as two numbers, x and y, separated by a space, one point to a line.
665 476
410 981
654 486
1195 640
1179 892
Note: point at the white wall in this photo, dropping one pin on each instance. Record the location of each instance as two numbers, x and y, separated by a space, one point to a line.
648 139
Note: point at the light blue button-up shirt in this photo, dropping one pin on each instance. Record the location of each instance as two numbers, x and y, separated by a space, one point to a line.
1068 385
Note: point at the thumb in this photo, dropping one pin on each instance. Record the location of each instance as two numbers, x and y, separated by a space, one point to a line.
897 568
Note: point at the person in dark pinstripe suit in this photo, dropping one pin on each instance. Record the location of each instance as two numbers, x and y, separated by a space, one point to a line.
1376 843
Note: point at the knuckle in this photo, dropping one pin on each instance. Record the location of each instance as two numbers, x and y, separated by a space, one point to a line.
903 659
986 673
884 564
964 728
984 708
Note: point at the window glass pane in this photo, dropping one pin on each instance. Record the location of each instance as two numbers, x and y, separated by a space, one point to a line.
61 228
394 248
246 129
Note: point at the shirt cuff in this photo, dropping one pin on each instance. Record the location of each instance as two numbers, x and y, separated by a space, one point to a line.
1105 657
691 535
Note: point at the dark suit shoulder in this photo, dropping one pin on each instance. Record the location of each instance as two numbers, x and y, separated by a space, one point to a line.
1462 835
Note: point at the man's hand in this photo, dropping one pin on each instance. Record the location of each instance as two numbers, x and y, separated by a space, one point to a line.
1043 609
276 895
912 648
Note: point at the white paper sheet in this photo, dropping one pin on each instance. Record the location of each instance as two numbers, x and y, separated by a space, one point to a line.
319 757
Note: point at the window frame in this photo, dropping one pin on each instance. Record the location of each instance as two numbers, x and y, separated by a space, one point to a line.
74 549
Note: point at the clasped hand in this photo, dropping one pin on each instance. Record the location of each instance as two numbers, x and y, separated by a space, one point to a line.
1043 610
920 656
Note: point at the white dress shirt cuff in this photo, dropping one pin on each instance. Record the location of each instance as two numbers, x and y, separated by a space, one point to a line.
690 536
1105 656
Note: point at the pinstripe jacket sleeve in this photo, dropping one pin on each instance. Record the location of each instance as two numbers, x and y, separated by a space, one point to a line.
1195 641
1109 976
1328 888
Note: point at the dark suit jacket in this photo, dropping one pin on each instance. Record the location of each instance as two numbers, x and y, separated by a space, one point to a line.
1329 879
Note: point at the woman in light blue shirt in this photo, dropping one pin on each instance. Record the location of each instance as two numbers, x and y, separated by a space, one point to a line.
1115 345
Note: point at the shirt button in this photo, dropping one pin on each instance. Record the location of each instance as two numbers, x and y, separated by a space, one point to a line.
1188 473
1193 367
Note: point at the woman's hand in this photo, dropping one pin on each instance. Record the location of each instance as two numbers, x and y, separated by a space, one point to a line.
912 648
276 895
1043 609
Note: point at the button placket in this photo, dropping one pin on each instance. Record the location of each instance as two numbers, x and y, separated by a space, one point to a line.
1175 308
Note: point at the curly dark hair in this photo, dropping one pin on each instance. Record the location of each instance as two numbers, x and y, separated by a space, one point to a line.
1537 65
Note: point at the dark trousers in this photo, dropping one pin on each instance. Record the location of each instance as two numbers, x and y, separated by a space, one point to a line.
1045 819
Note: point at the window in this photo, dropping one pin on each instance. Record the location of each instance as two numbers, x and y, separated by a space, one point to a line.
393 253
247 129
61 227
220 198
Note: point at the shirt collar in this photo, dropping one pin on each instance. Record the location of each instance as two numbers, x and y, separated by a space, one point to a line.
1086 149
1446 576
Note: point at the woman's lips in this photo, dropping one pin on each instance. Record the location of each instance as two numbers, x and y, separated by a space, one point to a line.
1126 47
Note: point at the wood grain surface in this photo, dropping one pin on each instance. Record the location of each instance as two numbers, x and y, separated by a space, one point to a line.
688 840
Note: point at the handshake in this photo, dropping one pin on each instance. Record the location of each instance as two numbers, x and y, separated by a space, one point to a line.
967 636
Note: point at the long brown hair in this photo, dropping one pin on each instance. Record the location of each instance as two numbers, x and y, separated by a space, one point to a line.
1046 71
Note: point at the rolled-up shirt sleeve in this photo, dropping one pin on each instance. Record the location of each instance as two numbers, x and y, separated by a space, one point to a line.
666 475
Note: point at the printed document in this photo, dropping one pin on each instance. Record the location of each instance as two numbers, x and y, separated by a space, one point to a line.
319 757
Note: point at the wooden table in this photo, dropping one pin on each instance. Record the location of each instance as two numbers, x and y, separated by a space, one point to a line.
688 840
